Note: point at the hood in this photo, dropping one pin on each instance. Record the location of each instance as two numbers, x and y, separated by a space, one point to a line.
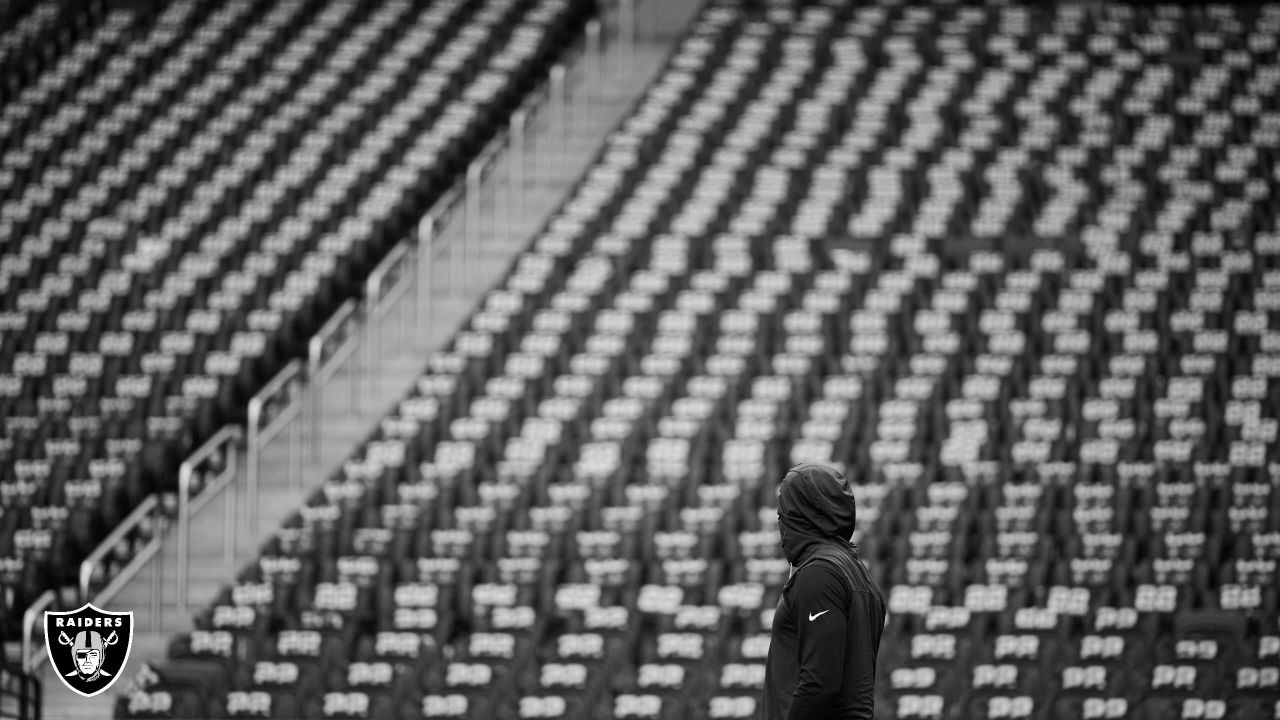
815 506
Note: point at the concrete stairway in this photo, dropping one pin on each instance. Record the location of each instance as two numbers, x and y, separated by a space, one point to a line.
557 158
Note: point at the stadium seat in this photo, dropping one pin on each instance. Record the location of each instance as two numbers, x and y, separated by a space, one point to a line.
206 187
1011 267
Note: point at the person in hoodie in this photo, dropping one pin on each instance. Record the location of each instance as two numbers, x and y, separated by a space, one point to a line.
826 630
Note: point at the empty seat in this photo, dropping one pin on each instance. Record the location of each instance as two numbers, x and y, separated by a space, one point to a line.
1011 267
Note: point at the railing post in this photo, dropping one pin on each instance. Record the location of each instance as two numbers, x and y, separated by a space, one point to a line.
536 106
403 313
32 618
231 522
221 441
286 383
457 245
380 296
431 237
478 173
184 533
254 460
560 100
157 591
501 185
405 280
471 219
149 508
516 168
315 349
594 54
37 700
322 363
357 370
372 331
422 289
295 448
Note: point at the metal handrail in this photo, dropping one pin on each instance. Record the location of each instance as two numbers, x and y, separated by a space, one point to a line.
27 694
221 440
259 436
34 614
558 95
430 228
478 170
595 48
515 166
320 369
131 570
376 294
145 509
35 699
438 217
380 297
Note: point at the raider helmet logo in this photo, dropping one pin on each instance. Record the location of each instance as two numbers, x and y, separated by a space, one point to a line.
88 647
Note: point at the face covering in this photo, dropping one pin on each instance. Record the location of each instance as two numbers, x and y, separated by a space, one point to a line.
815 506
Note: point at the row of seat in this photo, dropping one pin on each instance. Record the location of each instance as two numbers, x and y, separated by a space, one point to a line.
36 36
233 200
574 505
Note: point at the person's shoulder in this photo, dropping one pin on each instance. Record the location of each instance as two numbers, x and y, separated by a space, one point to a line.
832 569
822 565
862 579
851 572
833 558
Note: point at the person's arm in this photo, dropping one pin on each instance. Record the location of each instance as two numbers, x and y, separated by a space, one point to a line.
820 599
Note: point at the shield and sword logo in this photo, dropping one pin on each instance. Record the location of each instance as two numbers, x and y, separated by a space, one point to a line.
88 647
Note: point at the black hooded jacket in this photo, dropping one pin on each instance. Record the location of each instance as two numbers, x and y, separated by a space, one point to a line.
827 627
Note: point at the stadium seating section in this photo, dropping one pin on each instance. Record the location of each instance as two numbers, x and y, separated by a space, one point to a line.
186 197
1016 268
